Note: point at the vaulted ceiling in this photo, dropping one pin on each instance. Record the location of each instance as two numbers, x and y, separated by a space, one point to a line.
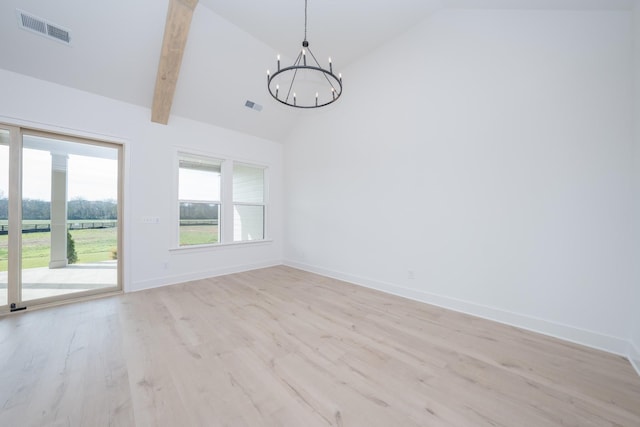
115 47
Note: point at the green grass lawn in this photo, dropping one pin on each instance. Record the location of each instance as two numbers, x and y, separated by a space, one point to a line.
92 245
198 234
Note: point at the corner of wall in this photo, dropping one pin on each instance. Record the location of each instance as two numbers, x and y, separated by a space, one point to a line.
634 343
634 356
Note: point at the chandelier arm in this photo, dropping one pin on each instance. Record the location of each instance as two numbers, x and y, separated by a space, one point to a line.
324 74
296 63
295 73
314 57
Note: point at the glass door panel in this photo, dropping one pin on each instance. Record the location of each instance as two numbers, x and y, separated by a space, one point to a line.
69 218
4 215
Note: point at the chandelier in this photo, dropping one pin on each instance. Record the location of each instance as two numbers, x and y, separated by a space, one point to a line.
305 84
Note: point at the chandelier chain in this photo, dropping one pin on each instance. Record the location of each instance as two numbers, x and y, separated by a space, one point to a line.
305 20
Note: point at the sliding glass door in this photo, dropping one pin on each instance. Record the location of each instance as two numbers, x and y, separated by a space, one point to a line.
4 215
66 218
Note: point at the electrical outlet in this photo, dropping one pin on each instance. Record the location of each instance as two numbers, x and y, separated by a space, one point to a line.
410 275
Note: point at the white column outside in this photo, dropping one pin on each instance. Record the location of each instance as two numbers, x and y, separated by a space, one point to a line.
58 210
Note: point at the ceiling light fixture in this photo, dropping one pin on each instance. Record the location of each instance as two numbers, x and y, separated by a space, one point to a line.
301 81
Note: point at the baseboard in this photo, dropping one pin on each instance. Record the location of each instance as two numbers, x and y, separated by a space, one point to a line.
591 339
199 275
634 356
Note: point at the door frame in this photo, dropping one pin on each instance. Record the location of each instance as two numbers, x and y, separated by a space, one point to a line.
14 273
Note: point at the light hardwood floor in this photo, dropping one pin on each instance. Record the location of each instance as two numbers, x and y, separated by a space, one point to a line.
281 347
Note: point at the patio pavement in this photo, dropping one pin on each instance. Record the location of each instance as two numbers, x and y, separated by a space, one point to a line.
44 282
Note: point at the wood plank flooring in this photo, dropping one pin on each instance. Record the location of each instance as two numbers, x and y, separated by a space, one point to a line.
282 347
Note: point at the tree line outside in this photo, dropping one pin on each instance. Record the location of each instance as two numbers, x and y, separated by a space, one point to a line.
76 209
81 209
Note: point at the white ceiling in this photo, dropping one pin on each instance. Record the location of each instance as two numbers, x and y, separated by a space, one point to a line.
116 47
348 29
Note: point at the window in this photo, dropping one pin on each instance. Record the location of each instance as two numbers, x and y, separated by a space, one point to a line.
199 199
219 201
248 203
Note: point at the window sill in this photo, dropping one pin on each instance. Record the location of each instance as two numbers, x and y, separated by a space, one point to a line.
215 246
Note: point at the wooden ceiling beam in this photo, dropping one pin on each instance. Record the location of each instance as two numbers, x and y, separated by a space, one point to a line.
176 31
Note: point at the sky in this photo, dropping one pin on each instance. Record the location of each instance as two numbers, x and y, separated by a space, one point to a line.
89 178
92 178
196 185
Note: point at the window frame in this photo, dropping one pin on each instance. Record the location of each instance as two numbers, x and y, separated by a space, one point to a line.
263 204
226 214
207 159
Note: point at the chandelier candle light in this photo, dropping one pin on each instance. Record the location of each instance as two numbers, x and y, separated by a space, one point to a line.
301 81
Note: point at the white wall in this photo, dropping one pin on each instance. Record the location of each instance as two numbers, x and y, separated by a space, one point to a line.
490 153
634 354
150 175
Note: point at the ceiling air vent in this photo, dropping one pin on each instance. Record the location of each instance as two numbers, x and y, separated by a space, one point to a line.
253 105
45 28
